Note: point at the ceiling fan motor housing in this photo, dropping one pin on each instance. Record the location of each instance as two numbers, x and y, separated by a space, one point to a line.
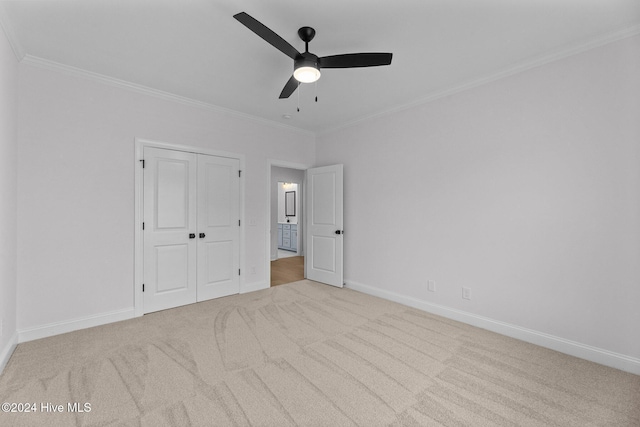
306 59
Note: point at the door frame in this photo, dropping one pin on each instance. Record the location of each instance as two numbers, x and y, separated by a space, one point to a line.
138 253
290 165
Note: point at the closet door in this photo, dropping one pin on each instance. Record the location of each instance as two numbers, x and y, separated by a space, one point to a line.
170 241
218 227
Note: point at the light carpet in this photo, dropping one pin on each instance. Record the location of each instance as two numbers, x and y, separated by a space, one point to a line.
311 355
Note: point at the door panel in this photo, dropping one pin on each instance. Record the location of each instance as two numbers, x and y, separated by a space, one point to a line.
172 266
219 185
219 257
218 219
169 217
324 249
325 218
323 198
172 193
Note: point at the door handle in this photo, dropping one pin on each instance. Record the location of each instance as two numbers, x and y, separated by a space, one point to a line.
339 231
192 235
202 235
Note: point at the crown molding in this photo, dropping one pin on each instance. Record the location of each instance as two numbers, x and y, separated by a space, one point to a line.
5 23
553 56
558 54
134 87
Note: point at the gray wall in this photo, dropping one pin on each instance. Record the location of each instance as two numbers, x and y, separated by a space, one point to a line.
76 188
8 195
525 190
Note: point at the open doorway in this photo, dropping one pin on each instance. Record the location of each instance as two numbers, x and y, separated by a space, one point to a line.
287 245
320 234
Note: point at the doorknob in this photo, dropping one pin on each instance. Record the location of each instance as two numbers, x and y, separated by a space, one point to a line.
192 235
202 235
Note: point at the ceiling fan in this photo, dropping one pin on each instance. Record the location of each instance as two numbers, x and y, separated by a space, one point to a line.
306 66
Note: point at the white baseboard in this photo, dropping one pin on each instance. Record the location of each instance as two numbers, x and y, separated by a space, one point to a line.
257 286
7 351
583 351
63 327
44 331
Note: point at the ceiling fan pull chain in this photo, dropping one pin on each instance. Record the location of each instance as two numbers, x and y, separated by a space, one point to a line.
316 91
299 96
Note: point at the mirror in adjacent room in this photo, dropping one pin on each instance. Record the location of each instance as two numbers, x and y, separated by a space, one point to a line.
290 203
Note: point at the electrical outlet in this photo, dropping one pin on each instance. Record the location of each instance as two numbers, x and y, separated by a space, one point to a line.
431 286
466 293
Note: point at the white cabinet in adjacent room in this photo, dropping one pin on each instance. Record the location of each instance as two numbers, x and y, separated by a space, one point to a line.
288 237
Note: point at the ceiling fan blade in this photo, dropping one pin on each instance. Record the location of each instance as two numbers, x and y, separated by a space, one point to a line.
352 60
289 88
268 35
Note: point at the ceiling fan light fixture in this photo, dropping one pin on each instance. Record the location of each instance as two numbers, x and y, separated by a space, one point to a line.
306 74
306 68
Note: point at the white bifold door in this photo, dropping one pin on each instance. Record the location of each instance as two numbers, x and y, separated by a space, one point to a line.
191 228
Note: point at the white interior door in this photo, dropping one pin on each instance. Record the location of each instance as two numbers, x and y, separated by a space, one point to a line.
325 225
169 229
218 227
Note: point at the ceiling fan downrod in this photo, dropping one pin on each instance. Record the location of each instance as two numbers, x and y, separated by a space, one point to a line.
306 34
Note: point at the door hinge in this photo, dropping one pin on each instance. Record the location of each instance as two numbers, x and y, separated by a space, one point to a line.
143 287
238 272
143 225
239 173
142 163
238 223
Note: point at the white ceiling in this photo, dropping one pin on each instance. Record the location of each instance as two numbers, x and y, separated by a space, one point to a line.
195 49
